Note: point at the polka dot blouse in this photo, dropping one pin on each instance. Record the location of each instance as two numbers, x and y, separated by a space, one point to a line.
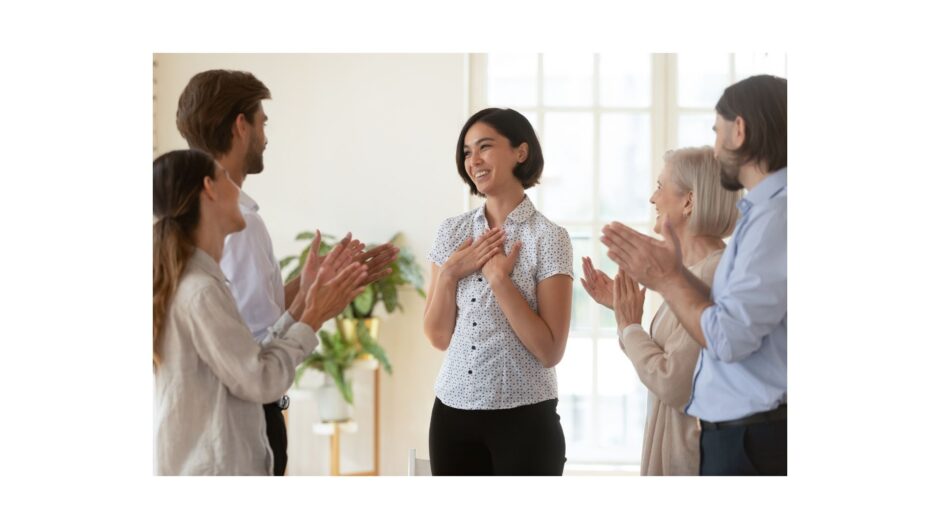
486 367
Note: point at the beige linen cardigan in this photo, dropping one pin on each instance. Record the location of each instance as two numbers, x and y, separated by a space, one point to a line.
665 363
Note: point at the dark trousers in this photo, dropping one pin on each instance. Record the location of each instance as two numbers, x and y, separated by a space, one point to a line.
523 441
277 436
752 450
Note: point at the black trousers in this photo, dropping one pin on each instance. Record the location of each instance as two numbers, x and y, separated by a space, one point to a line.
752 450
523 441
277 436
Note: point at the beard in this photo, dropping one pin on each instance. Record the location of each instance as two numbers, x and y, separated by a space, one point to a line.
729 173
254 158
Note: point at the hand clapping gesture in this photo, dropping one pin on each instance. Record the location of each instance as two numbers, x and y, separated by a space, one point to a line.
329 283
338 279
326 299
377 260
597 284
628 300
647 260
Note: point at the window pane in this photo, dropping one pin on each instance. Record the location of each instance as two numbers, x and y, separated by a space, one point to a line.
625 167
748 64
702 78
607 320
568 79
567 178
575 378
533 118
625 79
511 79
695 130
581 302
622 399
576 370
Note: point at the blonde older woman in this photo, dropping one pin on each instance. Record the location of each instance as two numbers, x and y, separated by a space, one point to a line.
689 194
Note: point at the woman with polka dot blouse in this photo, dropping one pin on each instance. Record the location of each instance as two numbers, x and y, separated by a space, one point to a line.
499 304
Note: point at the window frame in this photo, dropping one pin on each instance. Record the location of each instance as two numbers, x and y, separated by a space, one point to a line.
664 115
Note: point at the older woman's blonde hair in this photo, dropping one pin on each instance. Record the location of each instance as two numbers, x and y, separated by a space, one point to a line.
714 208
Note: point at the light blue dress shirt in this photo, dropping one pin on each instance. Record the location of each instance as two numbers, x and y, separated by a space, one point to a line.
743 369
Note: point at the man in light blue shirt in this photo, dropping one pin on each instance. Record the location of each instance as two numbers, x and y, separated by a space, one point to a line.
739 389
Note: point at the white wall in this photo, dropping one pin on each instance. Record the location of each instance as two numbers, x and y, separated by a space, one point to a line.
361 143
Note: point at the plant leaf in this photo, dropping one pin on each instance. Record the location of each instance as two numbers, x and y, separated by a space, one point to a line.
282 264
363 303
326 344
389 296
299 373
337 374
372 347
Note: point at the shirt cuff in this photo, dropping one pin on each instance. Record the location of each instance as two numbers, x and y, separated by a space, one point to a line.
282 324
545 275
630 329
303 334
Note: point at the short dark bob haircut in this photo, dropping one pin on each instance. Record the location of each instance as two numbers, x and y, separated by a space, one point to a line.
517 129
761 101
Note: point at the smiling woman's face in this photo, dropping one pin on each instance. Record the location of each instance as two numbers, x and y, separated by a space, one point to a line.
668 200
489 158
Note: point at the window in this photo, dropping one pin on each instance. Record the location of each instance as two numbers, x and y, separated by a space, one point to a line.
605 121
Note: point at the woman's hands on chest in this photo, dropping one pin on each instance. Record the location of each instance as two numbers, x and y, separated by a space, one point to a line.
473 254
500 265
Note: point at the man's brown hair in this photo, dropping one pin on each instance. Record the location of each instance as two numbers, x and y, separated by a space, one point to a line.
210 104
761 101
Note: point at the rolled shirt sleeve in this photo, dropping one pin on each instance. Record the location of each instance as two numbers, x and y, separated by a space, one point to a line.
253 372
753 298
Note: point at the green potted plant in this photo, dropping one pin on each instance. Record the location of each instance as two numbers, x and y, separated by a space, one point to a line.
356 334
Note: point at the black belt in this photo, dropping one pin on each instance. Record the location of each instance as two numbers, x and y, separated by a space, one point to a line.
779 414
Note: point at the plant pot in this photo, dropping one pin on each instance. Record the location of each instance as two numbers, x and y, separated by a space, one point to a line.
347 328
331 403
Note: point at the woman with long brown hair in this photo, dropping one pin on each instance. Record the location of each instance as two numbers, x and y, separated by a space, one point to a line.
210 375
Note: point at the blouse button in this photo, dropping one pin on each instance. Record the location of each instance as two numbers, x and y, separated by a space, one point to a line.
479 279
474 324
473 347
470 372
473 299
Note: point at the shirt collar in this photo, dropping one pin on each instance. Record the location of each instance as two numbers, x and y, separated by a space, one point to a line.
207 264
246 202
765 190
523 211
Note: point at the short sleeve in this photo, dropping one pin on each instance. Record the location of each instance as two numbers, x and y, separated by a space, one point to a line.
444 243
555 254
